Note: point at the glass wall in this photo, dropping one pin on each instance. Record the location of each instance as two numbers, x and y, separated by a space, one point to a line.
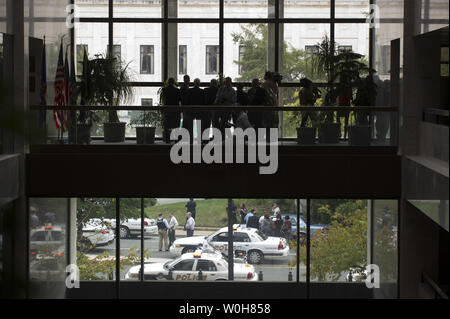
385 246
200 43
338 240
95 238
316 241
48 253
205 46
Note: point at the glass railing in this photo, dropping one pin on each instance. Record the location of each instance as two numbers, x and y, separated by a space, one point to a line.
318 126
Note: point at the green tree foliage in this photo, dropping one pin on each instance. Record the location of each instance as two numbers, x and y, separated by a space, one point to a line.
343 245
103 265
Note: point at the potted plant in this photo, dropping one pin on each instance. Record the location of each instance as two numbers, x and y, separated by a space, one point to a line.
347 70
307 135
360 134
145 124
323 62
85 119
108 87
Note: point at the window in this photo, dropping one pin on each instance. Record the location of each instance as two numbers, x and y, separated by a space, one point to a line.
343 48
241 238
222 237
212 59
147 59
147 102
182 59
184 265
311 49
80 56
241 58
206 265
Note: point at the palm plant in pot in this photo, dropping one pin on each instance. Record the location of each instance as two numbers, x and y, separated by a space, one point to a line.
109 79
323 63
360 134
347 70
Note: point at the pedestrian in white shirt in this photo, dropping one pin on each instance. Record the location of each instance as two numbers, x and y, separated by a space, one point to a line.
190 225
275 209
173 223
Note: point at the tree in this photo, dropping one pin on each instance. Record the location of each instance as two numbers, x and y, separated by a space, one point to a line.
342 246
297 63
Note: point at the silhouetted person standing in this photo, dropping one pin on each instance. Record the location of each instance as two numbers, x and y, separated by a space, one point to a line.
226 95
241 99
197 97
307 97
187 115
210 98
270 118
171 119
257 97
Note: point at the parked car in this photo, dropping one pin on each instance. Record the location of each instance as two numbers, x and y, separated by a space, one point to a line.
214 267
132 227
47 241
315 229
256 244
95 233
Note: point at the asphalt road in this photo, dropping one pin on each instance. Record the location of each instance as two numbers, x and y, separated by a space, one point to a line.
273 269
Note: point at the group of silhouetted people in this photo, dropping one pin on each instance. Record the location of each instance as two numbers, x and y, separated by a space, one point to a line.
260 94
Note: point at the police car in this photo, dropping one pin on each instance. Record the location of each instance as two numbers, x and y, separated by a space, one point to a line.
213 267
95 233
256 244
132 227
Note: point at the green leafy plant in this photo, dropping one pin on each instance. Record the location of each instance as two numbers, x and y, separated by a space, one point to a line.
103 265
342 246
147 119
108 83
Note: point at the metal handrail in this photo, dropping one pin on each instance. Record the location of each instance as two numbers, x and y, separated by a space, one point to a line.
430 282
436 111
215 108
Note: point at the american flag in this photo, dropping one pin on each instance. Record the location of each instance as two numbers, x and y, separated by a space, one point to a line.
67 92
59 100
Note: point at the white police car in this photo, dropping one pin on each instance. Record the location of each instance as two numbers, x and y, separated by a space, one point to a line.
213 267
256 244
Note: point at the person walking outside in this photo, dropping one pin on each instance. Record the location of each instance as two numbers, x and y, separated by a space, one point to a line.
173 223
277 224
266 224
163 227
252 219
191 207
242 212
190 225
286 229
